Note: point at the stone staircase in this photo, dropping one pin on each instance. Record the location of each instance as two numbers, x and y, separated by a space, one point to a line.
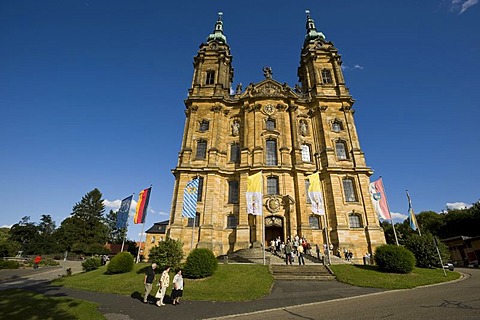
316 272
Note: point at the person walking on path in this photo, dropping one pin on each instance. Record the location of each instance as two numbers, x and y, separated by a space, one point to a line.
148 281
177 291
37 261
163 284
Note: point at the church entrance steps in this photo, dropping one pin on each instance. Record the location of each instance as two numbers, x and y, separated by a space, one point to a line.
305 272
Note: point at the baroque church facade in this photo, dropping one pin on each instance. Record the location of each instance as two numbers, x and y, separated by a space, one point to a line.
288 134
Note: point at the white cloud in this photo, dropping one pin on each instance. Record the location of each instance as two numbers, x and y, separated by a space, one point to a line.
344 67
5 226
398 217
115 205
462 5
457 205
357 66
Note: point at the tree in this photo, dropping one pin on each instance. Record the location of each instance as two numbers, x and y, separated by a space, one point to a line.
25 233
47 225
115 235
167 253
423 247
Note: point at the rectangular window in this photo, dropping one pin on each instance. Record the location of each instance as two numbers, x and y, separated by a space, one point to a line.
200 189
306 153
313 221
201 149
272 185
235 153
354 221
341 150
233 191
197 221
272 153
210 77
270 124
326 76
232 222
349 190
204 125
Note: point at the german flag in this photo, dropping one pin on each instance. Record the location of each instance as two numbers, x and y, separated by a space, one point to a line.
142 204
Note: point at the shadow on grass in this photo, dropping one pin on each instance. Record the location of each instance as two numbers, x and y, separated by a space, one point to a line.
21 304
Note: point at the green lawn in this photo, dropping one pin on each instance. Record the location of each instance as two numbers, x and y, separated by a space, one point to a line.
22 304
370 276
231 282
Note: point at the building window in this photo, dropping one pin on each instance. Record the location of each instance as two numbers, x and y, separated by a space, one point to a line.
270 124
233 191
232 221
341 149
204 125
349 190
313 222
306 153
197 220
326 76
272 185
354 220
201 149
272 153
337 126
235 152
307 185
200 189
153 239
210 77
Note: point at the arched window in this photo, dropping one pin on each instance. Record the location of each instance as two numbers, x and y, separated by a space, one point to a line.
337 126
272 185
200 189
354 220
201 149
341 148
232 221
197 220
313 222
349 190
271 152
306 155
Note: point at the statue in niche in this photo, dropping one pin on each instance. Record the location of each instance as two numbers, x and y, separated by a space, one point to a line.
303 128
297 88
239 88
235 128
267 72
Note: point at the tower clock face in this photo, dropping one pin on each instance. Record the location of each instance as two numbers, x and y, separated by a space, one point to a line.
269 109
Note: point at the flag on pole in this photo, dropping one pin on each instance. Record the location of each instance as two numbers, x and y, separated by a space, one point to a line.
254 193
122 214
315 194
142 204
379 199
190 196
411 214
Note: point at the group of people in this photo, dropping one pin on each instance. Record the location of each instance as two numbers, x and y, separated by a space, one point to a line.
163 284
293 247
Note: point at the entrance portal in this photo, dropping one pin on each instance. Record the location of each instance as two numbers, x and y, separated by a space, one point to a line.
273 229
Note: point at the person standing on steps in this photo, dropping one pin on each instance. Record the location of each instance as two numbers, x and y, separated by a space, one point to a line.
163 285
148 281
288 252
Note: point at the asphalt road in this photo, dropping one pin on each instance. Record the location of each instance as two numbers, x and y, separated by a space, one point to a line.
454 300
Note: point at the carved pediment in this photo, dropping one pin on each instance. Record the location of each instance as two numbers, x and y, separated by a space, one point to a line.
269 88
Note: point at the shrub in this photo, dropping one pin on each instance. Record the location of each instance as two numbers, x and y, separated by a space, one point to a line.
394 259
79 247
200 263
9 264
91 264
423 247
167 253
48 262
97 248
121 263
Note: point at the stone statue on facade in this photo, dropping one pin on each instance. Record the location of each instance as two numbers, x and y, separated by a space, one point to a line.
235 128
267 72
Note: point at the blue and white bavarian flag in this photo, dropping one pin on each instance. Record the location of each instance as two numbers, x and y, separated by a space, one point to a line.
190 195
122 214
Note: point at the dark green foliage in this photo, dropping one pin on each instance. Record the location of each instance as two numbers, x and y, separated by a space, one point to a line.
121 263
423 247
79 247
9 264
91 264
201 263
394 259
167 253
96 248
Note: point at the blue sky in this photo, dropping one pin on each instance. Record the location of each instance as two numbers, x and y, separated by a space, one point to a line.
91 93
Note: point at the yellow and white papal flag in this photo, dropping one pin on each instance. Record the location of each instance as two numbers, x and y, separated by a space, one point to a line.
315 194
254 193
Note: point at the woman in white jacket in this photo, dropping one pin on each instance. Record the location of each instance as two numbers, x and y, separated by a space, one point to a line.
177 291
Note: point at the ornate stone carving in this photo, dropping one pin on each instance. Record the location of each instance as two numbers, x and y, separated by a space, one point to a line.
273 204
273 222
216 108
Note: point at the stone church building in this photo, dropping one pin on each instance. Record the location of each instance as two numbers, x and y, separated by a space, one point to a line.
287 133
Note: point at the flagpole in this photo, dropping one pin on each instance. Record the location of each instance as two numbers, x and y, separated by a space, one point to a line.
140 243
193 231
263 234
389 212
329 261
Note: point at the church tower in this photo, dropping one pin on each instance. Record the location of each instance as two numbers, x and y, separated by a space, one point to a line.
288 134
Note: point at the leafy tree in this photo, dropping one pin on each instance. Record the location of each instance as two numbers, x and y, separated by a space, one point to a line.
115 235
26 234
47 225
167 253
423 247
430 221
